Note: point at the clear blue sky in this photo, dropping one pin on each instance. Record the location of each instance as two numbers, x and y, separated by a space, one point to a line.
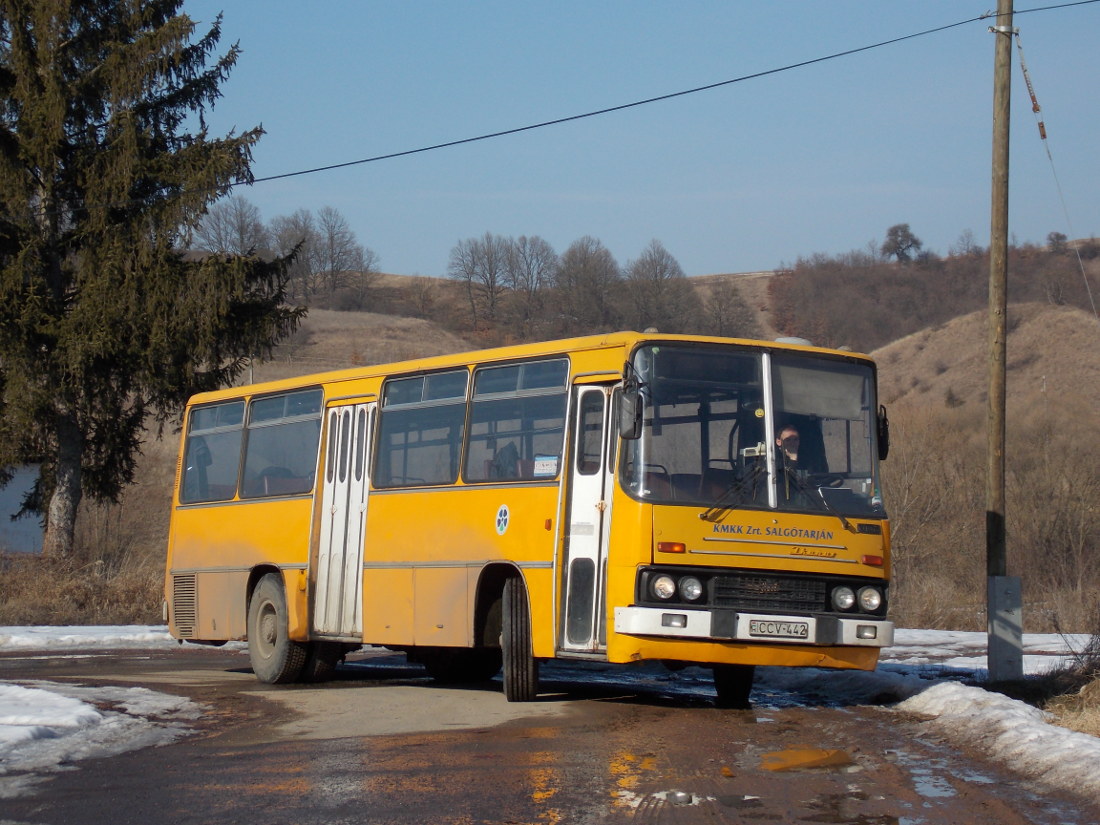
749 176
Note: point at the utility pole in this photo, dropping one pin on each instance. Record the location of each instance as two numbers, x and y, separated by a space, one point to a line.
1003 592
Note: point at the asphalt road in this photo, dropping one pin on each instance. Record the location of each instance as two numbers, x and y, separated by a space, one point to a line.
384 744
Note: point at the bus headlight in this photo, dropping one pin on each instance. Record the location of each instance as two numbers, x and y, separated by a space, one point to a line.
843 598
663 587
691 589
870 599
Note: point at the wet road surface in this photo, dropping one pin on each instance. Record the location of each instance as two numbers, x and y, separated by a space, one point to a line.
383 744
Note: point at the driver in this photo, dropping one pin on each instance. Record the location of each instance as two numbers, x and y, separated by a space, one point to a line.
788 442
789 475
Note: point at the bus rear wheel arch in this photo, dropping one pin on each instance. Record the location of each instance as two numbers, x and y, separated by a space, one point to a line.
275 658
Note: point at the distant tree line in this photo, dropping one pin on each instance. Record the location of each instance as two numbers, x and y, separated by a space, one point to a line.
867 298
522 289
502 288
328 266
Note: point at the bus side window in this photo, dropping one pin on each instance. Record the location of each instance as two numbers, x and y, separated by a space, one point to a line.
212 454
196 484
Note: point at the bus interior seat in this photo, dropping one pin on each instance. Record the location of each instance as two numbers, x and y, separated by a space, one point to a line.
658 485
717 481
275 481
685 486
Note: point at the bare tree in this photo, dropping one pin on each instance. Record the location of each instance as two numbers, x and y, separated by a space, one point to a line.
659 294
336 252
329 258
232 227
1056 241
966 245
480 265
727 314
296 232
361 279
586 288
901 243
531 267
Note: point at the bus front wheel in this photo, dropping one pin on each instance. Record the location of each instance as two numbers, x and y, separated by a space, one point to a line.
733 684
521 670
275 658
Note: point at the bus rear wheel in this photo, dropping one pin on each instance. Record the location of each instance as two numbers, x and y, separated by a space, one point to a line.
275 658
521 670
733 684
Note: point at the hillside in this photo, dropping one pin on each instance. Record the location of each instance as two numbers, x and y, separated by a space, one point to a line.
330 340
935 384
1053 363
753 289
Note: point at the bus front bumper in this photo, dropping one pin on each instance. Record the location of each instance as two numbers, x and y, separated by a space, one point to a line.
733 625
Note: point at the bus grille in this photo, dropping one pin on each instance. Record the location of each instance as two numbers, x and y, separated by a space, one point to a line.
770 593
184 604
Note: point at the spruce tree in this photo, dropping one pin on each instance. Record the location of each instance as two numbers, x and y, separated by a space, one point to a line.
105 168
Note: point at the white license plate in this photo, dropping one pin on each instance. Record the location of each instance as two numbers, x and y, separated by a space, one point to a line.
779 630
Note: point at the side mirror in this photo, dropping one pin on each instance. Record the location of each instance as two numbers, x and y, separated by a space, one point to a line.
883 434
630 413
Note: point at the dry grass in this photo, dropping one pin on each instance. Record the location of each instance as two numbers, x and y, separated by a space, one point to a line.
329 340
1053 355
1070 694
753 289
40 591
1077 709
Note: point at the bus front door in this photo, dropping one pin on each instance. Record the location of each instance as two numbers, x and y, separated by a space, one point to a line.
589 516
338 603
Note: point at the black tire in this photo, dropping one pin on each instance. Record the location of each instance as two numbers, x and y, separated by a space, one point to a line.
321 661
733 684
521 671
460 665
275 658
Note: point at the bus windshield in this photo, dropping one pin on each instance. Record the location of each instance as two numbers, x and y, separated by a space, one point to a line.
726 427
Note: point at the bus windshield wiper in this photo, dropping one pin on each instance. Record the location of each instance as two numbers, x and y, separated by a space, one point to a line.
724 503
815 495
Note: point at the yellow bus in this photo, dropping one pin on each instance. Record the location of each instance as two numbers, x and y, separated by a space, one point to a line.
615 498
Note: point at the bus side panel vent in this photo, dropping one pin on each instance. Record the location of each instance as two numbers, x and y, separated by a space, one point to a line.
184 604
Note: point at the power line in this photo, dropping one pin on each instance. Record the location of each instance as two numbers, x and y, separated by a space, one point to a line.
658 99
623 106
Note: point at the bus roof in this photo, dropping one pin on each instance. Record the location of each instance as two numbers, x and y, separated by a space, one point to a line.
625 340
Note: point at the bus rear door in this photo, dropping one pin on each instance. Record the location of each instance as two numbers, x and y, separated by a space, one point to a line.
338 603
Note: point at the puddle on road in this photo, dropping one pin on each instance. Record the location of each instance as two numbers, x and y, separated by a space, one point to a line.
798 759
932 778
